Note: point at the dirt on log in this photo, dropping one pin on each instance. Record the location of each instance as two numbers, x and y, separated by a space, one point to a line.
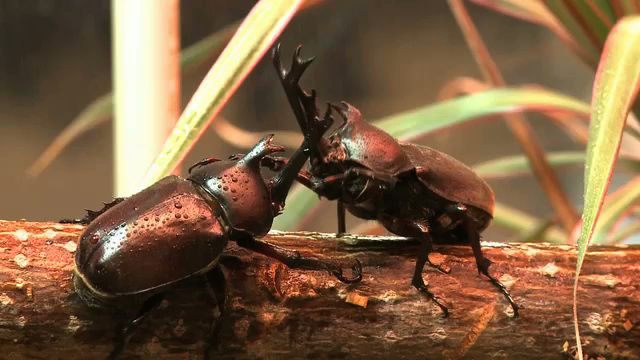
278 313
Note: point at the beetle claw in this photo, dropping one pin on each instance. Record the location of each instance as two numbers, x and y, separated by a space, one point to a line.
356 269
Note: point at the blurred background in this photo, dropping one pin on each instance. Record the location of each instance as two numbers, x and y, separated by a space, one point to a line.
383 57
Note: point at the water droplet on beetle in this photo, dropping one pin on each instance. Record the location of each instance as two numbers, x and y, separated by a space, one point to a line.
135 223
186 216
48 242
225 188
95 238
233 190
235 198
146 218
178 215
157 219
178 205
234 179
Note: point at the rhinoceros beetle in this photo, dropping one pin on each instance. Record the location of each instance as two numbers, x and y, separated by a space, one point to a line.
136 248
413 190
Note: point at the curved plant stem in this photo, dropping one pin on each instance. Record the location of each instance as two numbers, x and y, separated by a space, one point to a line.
517 122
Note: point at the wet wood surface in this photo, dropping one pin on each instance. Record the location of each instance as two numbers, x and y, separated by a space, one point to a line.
278 313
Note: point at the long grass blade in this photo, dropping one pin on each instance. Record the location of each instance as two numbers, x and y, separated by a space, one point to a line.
517 123
566 17
615 88
257 33
99 111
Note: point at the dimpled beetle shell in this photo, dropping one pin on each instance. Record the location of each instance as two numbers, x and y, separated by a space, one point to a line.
373 148
164 233
241 191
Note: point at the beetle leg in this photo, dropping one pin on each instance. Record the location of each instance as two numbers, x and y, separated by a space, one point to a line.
483 263
204 162
91 214
293 259
342 223
420 231
417 281
273 163
125 332
426 247
216 284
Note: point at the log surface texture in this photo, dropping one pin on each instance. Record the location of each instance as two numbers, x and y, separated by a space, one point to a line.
278 313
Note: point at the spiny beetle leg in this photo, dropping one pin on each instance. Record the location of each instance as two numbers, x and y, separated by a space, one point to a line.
342 222
274 163
91 214
483 263
125 332
423 257
293 259
217 287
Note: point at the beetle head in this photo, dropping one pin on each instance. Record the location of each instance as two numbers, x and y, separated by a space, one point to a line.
357 143
239 188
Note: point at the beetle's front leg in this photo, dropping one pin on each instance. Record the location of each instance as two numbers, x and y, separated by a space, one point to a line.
293 259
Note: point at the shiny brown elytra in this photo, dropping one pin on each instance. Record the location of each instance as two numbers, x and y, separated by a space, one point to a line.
413 190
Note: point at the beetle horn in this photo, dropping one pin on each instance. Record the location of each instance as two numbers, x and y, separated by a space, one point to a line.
262 148
202 163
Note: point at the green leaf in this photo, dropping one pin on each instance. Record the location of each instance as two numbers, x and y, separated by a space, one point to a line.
536 12
615 206
615 88
509 166
421 121
565 15
257 33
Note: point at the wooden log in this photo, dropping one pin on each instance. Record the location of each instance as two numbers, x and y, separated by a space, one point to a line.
275 312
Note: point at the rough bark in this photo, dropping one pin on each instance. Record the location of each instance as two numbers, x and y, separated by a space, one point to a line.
275 312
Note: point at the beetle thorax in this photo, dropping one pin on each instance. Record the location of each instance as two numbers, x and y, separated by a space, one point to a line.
242 193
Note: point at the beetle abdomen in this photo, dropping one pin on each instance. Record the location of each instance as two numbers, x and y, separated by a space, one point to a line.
450 178
156 237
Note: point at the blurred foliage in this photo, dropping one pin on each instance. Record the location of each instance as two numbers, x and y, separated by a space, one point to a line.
603 34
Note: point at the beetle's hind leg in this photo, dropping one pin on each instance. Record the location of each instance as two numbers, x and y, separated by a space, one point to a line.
483 263
459 211
125 331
